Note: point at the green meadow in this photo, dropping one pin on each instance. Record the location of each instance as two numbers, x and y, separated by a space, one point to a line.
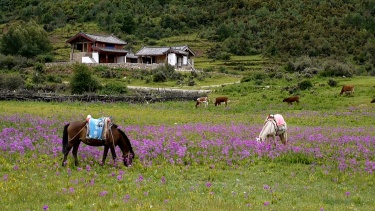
191 158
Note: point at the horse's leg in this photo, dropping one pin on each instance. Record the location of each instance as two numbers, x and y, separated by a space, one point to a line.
283 138
113 152
105 153
274 141
75 152
66 153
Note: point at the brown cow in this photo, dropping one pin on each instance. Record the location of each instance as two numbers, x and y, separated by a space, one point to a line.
202 100
347 89
292 99
220 100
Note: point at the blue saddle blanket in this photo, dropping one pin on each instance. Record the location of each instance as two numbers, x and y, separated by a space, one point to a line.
96 128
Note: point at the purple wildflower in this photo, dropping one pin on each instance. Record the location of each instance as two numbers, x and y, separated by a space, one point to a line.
208 184
266 203
140 178
119 177
45 207
103 193
126 198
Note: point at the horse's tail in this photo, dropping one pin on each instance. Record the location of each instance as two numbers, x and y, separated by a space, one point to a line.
65 138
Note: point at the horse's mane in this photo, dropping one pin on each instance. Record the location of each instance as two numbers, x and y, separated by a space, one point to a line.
126 139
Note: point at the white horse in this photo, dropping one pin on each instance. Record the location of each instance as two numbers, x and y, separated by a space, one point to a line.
271 130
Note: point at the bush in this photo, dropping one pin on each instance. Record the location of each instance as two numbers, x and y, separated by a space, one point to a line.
334 68
45 58
332 83
10 62
246 78
38 78
191 81
39 68
159 77
114 88
83 80
223 70
11 82
306 84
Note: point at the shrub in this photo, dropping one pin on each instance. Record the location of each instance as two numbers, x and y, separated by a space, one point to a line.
38 78
279 75
332 82
246 78
306 84
11 82
114 88
159 77
109 74
39 68
45 58
259 76
223 69
191 81
334 68
83 80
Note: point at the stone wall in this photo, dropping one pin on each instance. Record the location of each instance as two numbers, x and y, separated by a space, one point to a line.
111 65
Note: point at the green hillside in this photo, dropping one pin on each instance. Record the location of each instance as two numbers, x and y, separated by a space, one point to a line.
342 30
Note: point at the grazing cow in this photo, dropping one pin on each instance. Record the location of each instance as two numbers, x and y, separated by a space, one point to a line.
220 100
347 89
202 100
292 99
373 100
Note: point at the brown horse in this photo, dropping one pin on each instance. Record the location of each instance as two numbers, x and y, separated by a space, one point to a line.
220 100
75 132
292 99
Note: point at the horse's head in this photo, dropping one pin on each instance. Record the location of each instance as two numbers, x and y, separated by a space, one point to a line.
127 149
128 159
258 139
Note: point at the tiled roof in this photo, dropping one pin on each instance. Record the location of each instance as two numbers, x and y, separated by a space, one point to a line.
157 51
112 50
99 38
131 56
107 39
184 48
152 51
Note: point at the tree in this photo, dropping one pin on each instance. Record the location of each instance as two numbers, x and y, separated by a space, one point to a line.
25 39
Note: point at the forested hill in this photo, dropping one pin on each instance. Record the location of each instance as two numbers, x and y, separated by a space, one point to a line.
324 28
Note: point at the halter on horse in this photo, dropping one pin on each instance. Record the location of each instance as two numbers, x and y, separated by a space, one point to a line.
271 129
